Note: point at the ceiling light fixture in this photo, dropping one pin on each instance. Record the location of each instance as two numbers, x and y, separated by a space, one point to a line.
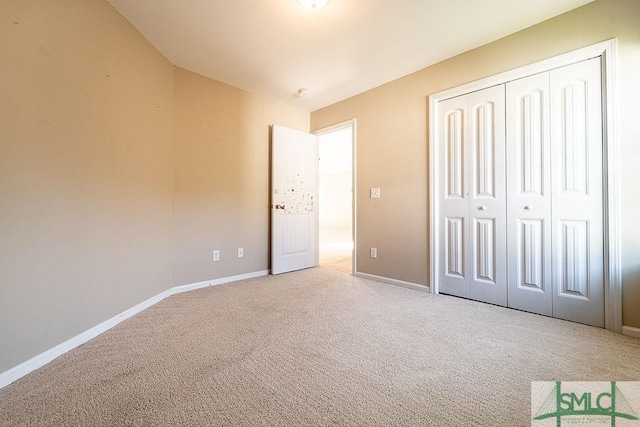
313 4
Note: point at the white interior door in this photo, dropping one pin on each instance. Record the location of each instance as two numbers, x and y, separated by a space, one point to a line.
559 167
487 203
577 202
454 196
294 182
472 196
529 195
555 197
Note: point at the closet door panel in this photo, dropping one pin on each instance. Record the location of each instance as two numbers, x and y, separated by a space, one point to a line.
577 214
487 201
453 196
529 194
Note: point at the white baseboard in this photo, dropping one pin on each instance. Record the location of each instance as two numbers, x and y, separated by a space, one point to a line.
19 371
395 282
631 331
215 282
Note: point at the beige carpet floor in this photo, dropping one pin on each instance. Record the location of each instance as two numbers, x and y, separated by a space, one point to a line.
316 347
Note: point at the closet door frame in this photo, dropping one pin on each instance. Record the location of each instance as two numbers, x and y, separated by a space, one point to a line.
607 50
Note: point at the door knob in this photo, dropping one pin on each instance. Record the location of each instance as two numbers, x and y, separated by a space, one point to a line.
483 208
527 208
279 206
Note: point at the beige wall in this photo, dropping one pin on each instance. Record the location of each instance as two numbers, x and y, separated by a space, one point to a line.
86 171
393 126
222 177
94 147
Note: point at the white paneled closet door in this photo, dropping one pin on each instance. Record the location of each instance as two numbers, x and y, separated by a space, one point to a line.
472 196
487 203
529 195
576 191
454 198
521 194
554 194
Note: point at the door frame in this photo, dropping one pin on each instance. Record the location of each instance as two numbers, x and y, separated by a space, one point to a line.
354 233
607 50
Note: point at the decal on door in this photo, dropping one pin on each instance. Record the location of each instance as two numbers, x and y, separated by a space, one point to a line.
298 199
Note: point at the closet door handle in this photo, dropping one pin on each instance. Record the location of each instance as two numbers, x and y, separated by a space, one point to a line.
527 208
483 208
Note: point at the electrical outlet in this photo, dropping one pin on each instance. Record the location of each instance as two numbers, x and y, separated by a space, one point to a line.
240 252
216 255
375 193
374 252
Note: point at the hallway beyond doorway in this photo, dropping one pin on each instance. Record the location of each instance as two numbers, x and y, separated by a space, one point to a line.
336 225
336 248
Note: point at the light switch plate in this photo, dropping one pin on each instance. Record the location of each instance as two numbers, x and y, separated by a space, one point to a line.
375 193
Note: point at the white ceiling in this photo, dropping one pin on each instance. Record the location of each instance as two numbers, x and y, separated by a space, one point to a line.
275 47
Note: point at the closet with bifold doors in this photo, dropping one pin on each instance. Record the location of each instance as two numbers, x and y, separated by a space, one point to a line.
520 194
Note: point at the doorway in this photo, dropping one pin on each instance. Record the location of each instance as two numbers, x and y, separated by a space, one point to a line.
336 207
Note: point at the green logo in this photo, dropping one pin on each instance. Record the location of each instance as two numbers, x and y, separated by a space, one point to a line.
589 403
